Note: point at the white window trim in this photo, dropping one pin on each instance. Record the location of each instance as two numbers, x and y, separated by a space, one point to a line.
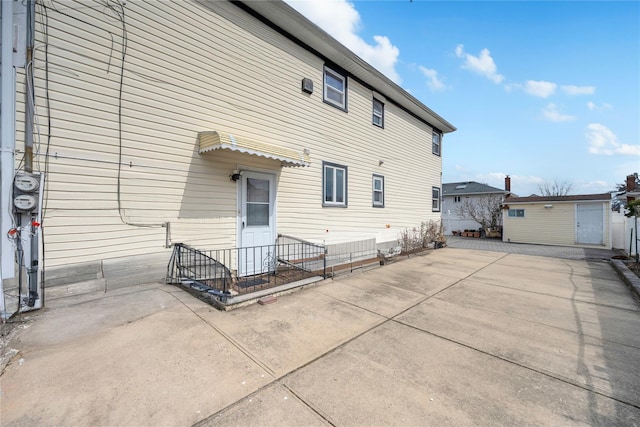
515 213
438 144
327 88
334 166
373 190
433 199
380 116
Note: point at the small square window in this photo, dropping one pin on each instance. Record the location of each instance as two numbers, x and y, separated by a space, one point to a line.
334 185
435 199
378 191
436 138
335 89
378 113
516 213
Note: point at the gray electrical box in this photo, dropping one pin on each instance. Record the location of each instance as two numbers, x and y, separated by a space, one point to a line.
307 85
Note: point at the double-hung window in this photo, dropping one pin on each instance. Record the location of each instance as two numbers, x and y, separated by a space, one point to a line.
378 113
335 88
334 185
378 191
435 199
436 139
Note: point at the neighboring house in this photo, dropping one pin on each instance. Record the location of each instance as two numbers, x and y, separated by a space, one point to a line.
632 189
625 229
455 193
216 124
580 220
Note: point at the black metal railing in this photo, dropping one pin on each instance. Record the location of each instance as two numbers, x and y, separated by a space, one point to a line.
225 272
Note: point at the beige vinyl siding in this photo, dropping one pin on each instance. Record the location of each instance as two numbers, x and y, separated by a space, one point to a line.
193 67
409 169
554 226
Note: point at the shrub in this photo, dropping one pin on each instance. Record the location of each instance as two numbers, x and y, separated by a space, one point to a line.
419 237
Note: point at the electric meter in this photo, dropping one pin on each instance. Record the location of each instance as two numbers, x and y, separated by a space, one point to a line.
24 202
26 183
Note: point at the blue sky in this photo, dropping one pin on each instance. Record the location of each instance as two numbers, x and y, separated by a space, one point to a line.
541 90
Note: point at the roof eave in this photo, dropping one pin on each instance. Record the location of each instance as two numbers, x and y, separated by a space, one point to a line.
597 198
475 193
289 20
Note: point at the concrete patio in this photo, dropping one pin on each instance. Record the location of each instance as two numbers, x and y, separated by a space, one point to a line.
448 337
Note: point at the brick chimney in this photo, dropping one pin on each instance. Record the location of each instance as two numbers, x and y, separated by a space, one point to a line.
507 183
631 183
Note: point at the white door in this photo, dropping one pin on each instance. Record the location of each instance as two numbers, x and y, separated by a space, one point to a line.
257 224
590 223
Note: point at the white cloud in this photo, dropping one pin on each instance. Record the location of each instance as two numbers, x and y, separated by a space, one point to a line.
551 112
579 90
520 184
521 179
541 89
598 184
482 64
625 168
603 141
512 86
524 185
341 20
594 107
433 81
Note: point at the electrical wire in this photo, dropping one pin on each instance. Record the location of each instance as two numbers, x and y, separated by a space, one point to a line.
44 190
121 16
118 11
120 90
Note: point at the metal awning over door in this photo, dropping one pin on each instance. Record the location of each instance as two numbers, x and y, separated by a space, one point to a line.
216 140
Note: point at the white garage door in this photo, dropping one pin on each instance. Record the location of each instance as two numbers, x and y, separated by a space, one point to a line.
590 224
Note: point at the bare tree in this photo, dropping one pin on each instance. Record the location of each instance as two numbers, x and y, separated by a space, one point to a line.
485 210
557 188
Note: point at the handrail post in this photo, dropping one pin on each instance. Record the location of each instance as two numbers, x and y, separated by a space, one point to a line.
324 260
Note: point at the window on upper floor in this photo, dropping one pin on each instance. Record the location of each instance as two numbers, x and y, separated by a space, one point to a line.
435 199
436 139
518 213
456 199
334 185
378 113
335 88
378 191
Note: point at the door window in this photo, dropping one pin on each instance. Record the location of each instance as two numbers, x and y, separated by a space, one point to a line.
257 202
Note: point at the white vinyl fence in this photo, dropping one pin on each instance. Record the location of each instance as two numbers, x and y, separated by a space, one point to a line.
624 233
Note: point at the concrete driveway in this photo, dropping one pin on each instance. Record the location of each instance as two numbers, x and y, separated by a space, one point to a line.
451 337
